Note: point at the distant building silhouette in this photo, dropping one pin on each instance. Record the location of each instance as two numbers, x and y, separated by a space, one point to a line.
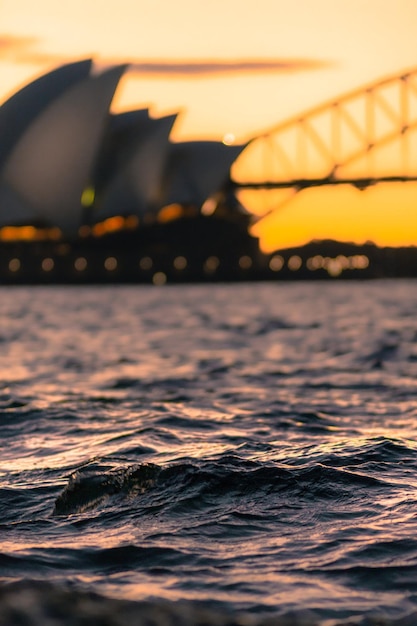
80 185
62 152
91 196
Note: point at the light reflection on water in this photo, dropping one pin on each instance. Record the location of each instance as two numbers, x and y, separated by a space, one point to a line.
280 419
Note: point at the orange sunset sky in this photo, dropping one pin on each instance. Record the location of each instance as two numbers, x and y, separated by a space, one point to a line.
235 68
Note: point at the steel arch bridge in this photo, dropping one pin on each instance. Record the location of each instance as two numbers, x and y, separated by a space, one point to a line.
362 138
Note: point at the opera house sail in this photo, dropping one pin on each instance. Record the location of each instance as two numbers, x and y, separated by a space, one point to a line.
16 115
88 195
196 170
52 162
19 111
133 184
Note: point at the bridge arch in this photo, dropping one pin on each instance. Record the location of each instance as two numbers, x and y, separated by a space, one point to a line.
366 136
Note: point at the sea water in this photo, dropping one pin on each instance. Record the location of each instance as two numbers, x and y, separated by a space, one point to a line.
248 450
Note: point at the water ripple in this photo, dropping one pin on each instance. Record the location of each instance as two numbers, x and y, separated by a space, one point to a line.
250 447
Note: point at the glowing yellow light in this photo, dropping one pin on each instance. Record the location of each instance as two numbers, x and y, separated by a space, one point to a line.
109 225
145 263
313 263
114 223
294 263
48 264
159 278
14 265
29 233
343 260
180 263
88 197
276 263
211 264
15 233
7 233
334 267
170 212
80 264
228 139
359 262
110 263
209 206
99 229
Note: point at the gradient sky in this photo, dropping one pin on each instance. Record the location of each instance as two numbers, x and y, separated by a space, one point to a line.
239 68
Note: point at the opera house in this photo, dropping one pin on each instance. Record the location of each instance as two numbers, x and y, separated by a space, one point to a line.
91 196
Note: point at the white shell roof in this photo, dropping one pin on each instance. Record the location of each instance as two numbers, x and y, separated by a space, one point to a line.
52 162
19 111
136 187
196 170
58 137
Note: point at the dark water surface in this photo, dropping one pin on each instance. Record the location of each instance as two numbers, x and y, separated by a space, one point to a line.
242 448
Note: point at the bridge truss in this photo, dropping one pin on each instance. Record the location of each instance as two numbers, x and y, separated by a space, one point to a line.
363 138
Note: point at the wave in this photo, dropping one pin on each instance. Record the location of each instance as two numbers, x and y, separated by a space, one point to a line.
250 446
87 489
220 479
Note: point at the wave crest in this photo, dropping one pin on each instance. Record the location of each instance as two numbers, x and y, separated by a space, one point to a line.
86 489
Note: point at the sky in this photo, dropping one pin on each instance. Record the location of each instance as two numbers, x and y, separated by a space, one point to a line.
236 69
